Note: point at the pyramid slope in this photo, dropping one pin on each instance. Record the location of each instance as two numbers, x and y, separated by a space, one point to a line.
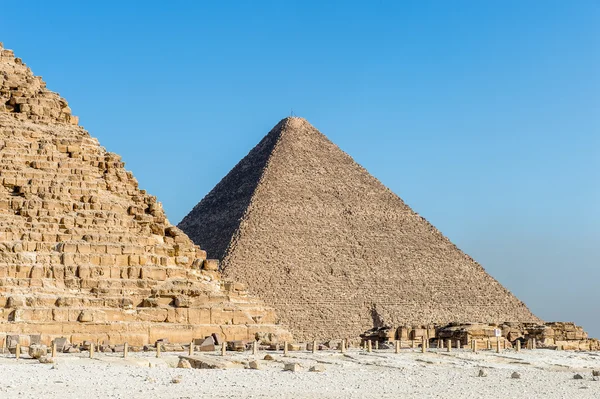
83 251
228 201
335 252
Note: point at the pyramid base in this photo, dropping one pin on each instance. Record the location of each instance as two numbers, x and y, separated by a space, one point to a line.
139 334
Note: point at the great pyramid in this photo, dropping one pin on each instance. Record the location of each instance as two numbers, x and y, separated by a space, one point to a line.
332 249
86 254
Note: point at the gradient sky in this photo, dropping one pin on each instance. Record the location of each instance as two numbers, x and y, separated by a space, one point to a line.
483 116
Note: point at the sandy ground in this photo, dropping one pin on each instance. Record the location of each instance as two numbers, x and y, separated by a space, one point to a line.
382 374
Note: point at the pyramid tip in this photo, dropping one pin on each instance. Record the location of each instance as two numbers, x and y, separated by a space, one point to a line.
294 121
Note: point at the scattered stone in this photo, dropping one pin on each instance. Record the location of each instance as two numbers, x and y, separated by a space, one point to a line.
46 360
184 364
217 338
254 365
292 367
596 373
37 351
317 368
268 357
119 348
198 361
61 343
238 346
296 347
578 377
208 345
176 380
515 375
482 373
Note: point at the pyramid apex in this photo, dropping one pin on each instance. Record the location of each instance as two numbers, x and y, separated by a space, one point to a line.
296 121
25 96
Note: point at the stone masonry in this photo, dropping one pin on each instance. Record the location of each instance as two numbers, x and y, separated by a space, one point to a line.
85 253
332 249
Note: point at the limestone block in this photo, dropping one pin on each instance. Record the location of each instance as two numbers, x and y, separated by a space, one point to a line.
211 265
199 316
177 315
85 316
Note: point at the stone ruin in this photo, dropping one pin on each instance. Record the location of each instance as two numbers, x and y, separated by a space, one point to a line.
333 250
549 335
86 254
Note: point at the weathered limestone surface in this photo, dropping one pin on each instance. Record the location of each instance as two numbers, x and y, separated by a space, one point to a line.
86 254
332 249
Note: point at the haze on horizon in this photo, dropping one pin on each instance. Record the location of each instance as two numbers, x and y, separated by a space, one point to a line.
483 117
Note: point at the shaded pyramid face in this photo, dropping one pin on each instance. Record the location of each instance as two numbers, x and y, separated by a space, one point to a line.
84 253
332 249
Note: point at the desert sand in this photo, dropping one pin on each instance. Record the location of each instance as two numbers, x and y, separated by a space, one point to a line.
355 374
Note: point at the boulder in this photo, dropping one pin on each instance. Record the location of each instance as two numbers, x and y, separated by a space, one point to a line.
208 345
184 364
578 377
61 343
254 365
296 347
292 367
238 346
37 351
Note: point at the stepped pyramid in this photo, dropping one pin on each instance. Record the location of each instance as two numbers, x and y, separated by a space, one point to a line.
86 254
332 249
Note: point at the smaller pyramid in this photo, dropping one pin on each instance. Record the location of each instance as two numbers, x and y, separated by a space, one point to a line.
332 249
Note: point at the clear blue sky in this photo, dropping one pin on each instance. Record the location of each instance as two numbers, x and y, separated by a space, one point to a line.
484 116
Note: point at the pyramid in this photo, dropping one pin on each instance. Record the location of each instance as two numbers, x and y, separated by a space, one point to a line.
332 249
84 252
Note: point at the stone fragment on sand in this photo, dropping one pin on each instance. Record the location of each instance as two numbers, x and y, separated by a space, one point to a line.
596 373
578 377
46 360
482 373
515 375
296 347
268 357
238 346
292 367
184 364
61 343
254 365
317 368
37 351
208 345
